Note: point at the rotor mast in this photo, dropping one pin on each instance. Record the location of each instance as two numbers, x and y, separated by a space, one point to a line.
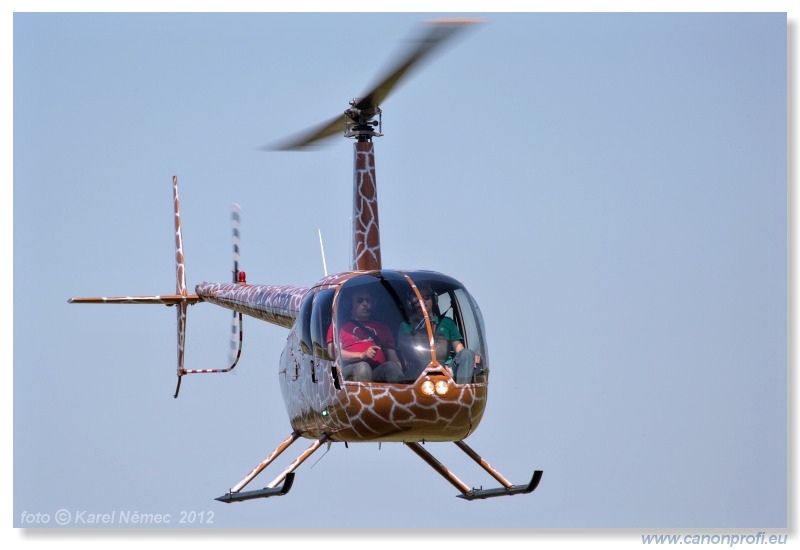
362 121
361 126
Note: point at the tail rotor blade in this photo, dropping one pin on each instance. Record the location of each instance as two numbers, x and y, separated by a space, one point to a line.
235 225
234 349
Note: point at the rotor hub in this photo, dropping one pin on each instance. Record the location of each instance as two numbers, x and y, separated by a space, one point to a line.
360 121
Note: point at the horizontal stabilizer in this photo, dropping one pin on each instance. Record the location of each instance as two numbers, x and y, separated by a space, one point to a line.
167 300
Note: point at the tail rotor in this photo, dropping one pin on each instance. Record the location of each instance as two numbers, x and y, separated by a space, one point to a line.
237 334
235 348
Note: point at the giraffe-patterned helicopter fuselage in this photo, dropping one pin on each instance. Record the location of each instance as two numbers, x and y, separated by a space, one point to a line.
427 405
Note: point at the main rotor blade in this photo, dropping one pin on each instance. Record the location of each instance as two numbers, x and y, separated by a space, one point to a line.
305 140
436 32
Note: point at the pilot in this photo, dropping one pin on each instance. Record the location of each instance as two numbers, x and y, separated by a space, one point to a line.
463 364
367 346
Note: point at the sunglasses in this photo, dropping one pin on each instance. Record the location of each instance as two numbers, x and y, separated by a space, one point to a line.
362 299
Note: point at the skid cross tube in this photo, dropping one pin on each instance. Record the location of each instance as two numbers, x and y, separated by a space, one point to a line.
286 477
483 464
473 494
438 466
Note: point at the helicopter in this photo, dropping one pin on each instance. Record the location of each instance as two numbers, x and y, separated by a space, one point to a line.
373 354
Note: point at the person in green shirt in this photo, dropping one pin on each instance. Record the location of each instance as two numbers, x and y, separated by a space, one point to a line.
450 349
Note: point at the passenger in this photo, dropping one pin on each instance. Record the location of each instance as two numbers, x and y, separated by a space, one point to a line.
366 344
463 362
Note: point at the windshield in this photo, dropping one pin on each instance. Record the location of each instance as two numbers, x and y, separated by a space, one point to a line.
388 331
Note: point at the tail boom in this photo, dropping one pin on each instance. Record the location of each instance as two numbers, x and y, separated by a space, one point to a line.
279 305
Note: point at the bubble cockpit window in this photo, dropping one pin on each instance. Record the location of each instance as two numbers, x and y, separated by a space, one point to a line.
456 325
382 336
321 317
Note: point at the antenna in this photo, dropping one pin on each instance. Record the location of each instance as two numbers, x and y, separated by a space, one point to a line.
322 249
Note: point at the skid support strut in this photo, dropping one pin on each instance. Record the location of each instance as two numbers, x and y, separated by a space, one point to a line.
286 477
473 494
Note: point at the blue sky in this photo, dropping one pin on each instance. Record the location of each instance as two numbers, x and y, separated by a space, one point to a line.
611 188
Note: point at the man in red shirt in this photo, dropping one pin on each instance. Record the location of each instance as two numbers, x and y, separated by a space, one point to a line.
367 346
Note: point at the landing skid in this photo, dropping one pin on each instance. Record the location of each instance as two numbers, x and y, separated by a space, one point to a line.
504 491
283 483
480 493
261 493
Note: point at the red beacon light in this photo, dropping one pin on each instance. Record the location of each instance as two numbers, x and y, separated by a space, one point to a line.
242 278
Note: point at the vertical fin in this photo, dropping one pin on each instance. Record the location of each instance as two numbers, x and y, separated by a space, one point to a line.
180 284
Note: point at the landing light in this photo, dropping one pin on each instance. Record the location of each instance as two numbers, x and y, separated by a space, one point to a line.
429 387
